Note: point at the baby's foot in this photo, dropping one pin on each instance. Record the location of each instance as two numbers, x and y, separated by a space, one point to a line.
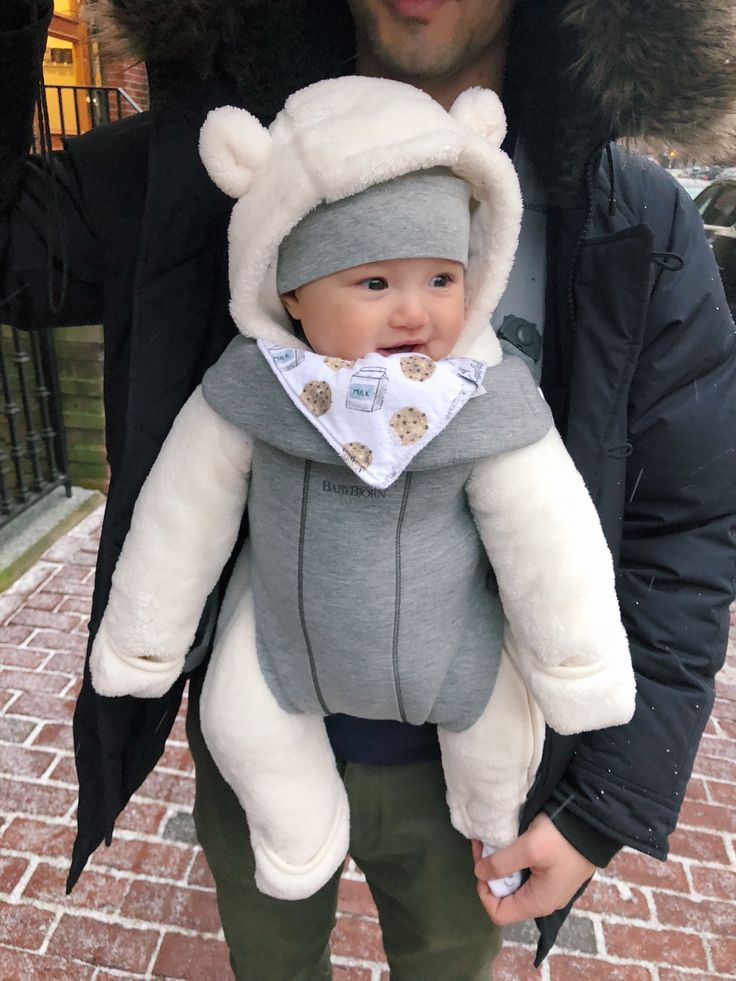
501 887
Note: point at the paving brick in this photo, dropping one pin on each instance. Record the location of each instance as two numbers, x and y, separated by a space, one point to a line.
723 793
170 787
69 587
40 682
19 965
355 898
158 902
567 968
31 617
630 866
65 771
193 959
67 662
20 761
14 636
178 731
11 870
719 883
23 926
199 874
728 728
702 916
359 938
669 974
607 897
39 838
342 973
52 708
54 640
34 799
151 858
14 730
699 844
659 946
101 893
177 758
21 657
107 944
724 708
141 816
55 734
711 766
696 789
718 747
74 604
42 601
515 964
723 953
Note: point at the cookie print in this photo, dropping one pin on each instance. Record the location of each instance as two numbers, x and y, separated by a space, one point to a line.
358 454
417 368
409 424
337 363
317 397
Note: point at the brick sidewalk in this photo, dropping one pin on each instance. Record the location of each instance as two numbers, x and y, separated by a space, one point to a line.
145 907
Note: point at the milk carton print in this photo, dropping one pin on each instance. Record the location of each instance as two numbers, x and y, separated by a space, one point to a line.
367 388
286 358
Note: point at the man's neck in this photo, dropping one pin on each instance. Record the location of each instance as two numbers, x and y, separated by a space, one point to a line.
487 71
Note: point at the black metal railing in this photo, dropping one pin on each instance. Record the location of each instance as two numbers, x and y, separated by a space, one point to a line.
74 109
33 457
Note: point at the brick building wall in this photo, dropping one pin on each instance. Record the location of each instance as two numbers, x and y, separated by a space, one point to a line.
127 75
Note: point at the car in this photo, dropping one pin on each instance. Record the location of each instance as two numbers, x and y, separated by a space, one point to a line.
717 206
693 185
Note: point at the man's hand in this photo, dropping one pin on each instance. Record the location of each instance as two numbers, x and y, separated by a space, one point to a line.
557 872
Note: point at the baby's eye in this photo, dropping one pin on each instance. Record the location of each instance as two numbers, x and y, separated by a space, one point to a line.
374 283
441 280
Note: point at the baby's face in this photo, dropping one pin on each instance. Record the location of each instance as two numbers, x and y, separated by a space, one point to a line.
392 306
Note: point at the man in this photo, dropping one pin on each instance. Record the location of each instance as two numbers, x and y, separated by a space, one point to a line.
638 367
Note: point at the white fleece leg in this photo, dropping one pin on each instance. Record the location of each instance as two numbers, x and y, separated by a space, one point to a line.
490 767
280 765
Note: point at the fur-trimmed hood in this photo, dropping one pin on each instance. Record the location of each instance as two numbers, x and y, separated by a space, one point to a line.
661 70
313 153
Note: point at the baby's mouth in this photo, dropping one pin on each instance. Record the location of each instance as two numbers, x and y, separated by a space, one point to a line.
399 349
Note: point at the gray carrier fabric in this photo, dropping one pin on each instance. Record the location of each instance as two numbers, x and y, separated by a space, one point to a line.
377 604
240 387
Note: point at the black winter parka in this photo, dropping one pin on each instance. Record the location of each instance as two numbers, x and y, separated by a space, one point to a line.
639 369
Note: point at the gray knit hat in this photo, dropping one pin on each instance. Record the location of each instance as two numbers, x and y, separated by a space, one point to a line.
421 214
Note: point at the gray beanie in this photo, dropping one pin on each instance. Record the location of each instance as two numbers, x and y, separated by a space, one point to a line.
421 214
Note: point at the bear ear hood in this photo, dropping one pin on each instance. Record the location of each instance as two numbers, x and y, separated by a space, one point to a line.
337 138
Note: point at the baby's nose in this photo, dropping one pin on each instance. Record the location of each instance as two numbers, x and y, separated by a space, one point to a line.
409 312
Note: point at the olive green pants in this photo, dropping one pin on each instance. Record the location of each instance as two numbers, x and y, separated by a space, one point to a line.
420 872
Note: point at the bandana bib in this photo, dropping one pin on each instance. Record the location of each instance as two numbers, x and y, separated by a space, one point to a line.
376 412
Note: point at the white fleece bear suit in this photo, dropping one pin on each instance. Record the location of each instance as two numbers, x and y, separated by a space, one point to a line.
565 658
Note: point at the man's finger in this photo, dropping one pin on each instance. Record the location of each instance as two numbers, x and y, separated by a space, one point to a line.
522 905
504 862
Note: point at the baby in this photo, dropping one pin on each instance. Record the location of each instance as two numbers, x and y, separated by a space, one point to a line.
421 547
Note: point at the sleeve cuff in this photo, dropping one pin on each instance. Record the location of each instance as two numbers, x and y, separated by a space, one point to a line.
591 843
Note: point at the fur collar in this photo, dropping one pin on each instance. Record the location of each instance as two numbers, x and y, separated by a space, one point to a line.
661 70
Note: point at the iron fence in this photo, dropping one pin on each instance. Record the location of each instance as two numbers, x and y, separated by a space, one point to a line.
33 457
74 109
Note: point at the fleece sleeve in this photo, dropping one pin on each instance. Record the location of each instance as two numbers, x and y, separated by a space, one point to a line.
183 530
555 577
